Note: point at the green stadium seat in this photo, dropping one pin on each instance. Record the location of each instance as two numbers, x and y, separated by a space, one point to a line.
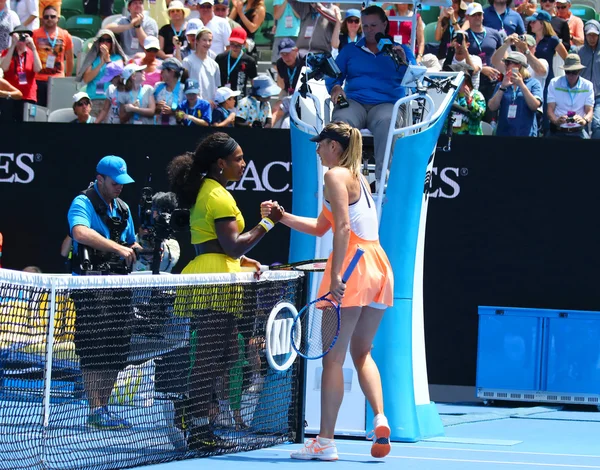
118 7
84 26
429 14
585 12
70 8
264 36
62 22
430 33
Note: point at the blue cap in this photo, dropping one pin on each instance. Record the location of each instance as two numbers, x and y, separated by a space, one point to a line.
191 87
353 13
116 168
286 45
540 16
264 86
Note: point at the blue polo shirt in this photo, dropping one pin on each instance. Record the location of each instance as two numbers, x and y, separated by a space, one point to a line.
524 123
82 212
510 21
370 78
484 44
201 110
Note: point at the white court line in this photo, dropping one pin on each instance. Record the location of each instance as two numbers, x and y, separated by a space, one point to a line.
439 459
549 454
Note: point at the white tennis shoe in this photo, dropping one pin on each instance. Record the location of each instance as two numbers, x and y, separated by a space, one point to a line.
314 449
380 436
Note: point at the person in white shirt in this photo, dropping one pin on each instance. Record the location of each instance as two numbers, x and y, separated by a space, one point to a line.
28 11
219 26
460 45
9 20
570 101
202 68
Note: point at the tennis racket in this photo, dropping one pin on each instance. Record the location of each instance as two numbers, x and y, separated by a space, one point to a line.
317 326
313 265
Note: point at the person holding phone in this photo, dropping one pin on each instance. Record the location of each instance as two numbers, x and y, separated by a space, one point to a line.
517 99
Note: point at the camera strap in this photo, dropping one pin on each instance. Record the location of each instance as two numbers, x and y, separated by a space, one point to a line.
116 227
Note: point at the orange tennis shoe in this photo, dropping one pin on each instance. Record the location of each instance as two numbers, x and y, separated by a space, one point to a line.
316 449
380 436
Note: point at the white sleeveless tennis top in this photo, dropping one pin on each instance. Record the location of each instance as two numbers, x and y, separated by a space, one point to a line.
363 215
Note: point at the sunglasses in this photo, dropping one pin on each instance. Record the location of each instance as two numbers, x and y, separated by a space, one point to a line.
83 103
206 6
564 7
108 40
49 17
548 1
571 72
353 20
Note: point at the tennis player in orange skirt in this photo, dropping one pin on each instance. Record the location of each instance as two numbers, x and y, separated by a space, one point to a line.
349 210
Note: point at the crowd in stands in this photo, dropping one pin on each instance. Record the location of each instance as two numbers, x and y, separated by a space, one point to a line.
531 70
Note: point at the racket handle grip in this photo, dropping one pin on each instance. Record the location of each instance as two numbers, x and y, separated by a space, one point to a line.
352 265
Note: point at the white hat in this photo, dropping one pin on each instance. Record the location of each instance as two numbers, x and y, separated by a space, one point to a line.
177 5
563 1
151 42
202 2
77 97
224 93
474 8
129 70
194 26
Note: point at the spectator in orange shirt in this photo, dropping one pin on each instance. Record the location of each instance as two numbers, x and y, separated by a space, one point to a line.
55 47
563 10
50 3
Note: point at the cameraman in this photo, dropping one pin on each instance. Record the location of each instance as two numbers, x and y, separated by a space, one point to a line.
163 205
103 242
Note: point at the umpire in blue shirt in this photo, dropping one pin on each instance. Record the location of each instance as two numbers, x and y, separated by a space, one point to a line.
101 224
373 82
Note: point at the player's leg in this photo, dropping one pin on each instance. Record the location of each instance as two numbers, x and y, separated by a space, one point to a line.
368 375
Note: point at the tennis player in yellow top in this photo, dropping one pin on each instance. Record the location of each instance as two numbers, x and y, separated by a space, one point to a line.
199 180
349 210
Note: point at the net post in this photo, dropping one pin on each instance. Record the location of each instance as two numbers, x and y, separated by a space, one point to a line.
49 353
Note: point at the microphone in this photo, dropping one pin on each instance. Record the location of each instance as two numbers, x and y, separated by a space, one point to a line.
385 45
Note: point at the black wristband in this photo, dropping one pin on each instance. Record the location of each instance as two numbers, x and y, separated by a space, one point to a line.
502 89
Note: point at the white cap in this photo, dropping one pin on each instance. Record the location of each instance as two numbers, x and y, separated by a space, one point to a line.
202 2
77 97
224 93
129 70
563 1
194 25
474 8
151 42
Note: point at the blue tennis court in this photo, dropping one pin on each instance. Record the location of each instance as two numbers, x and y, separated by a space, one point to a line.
477 437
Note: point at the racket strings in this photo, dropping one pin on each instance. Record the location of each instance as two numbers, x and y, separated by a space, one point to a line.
316 329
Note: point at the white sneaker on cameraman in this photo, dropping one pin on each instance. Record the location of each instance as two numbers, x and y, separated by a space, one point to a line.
317 449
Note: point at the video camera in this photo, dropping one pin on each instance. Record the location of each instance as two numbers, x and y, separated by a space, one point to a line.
95 262
321 65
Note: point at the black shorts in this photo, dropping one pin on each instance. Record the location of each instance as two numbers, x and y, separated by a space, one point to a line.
103 328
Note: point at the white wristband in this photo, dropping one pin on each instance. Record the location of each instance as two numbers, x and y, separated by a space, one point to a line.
266 223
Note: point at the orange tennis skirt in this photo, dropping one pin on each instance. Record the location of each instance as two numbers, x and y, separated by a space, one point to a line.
371 283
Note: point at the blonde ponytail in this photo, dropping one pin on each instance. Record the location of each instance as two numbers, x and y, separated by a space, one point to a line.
351 157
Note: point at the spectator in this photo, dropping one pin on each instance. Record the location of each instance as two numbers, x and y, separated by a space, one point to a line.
563 10
401 31
289 65
469 106
221 9
28 12
287 25
168 93
193 26
570 101
590 58
202 68
255 110
55 47
560 26
82 107
250 16
32 269
104 61
517 99
458 52
174 33
450 20
347 31
9 20
236 67
20 63
110 112
217 25
7 93
281 113
193 110
483 42
527 8
57 4
500 17
538 68
134 28
373 82
104 9
317 23
224 113
136 100
150 60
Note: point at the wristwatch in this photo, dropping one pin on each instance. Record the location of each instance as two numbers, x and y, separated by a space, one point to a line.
527 52
502 88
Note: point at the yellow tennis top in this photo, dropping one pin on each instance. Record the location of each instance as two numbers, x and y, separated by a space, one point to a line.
213 202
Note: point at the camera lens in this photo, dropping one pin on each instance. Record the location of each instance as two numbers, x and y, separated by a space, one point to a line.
22 37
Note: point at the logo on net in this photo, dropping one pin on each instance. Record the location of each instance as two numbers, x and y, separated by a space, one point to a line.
444 183
18 167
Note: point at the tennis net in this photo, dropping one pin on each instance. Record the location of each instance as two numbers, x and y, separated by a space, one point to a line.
114 372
